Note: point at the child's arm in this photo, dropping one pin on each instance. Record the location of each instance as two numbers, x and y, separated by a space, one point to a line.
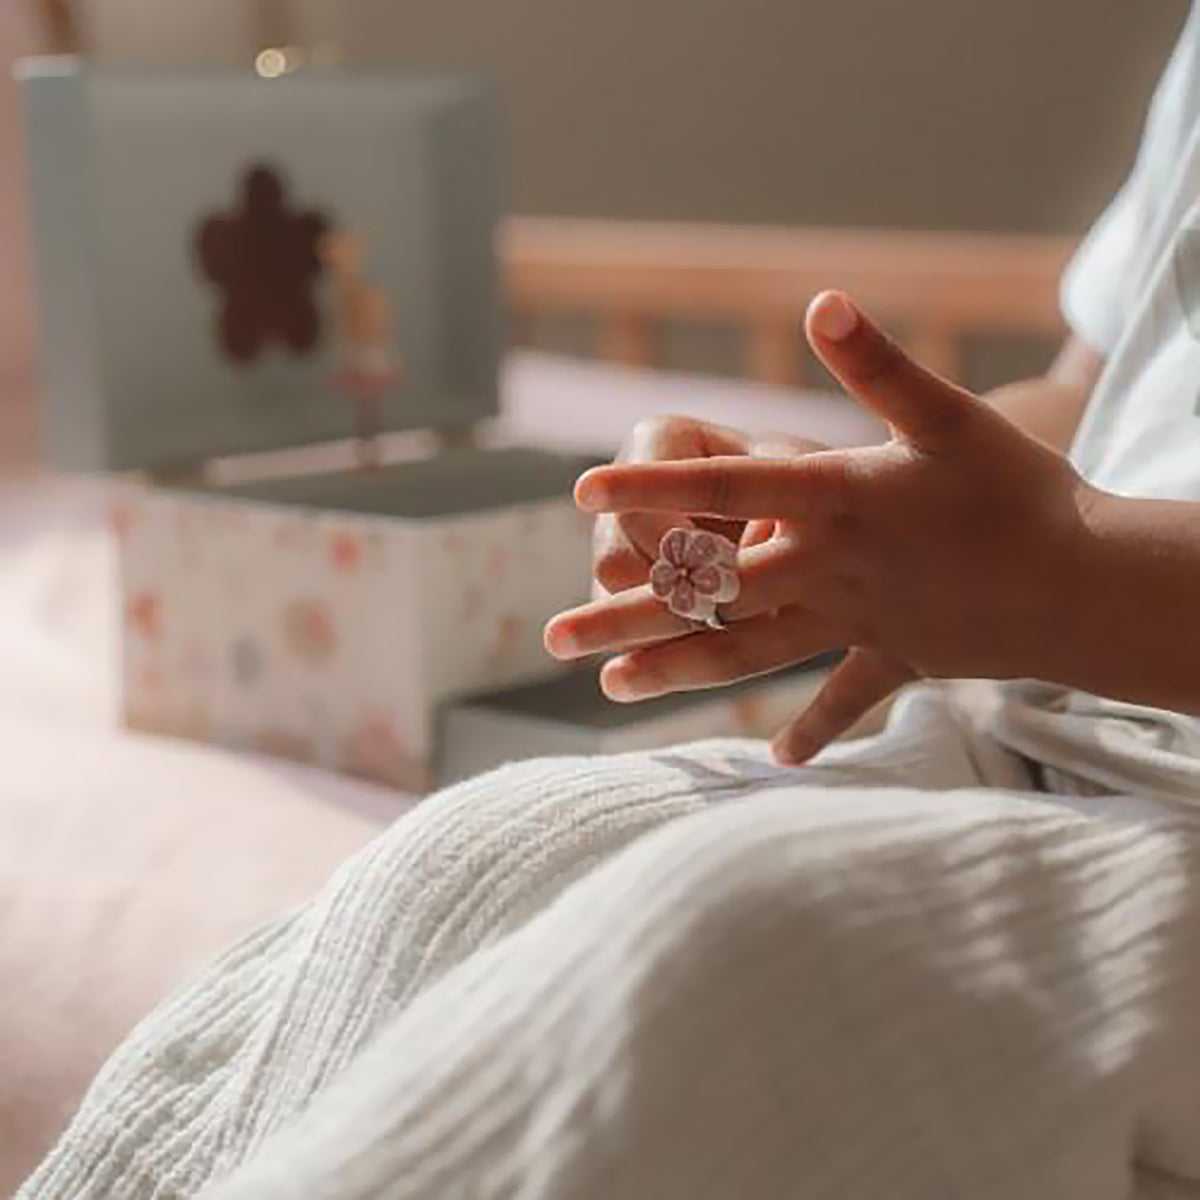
963 547
1131 634
1051 407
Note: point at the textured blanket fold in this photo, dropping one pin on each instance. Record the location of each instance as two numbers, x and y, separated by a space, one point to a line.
693 975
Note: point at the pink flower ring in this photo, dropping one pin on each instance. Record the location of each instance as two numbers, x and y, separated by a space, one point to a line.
696 571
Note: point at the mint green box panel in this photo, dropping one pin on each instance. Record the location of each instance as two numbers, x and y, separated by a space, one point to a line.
226 263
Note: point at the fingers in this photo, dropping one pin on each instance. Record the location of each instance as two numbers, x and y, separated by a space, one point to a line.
659 439
624 548
617 565
626 544
666 439
775 445
630 618
862 680
769 577
711 659
735 488
644 531
919 405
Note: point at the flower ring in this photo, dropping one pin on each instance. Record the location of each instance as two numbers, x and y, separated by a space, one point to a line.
696 570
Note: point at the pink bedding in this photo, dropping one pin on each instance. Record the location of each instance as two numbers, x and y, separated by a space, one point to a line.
125 863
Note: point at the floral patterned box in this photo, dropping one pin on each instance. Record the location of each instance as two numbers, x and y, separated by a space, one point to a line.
332 636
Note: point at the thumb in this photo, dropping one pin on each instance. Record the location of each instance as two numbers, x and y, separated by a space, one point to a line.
921 407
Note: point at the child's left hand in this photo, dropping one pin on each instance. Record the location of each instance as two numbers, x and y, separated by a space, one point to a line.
949 551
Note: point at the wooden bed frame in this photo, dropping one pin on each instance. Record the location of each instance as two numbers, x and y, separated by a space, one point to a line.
934 289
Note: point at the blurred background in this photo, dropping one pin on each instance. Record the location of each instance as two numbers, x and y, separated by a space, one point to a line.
1018 115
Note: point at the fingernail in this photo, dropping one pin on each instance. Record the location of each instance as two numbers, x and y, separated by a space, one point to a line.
832 316
590 493
559 641
616 683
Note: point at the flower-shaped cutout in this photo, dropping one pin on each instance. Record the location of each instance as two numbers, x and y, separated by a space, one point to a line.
696 570
263 258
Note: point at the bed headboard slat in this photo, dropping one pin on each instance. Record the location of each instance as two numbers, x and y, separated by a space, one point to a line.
936 289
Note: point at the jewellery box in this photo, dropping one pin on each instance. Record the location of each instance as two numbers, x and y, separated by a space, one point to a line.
228 265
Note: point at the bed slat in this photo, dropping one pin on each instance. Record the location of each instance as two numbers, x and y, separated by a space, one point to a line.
774 351
940 287
629 338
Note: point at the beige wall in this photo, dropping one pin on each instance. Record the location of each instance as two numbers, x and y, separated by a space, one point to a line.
958 113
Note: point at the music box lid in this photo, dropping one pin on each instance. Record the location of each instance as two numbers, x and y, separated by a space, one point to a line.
229 264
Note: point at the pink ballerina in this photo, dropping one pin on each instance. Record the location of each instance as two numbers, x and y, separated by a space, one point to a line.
696 570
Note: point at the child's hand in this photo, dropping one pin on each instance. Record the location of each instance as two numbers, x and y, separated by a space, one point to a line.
626 544
949 551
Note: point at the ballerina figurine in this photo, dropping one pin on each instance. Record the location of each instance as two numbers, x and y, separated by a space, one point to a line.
370 365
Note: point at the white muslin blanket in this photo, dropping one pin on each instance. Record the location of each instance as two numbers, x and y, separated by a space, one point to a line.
900 975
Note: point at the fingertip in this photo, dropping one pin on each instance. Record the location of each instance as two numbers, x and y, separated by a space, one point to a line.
780 755
792 748
614 681
558 639
832 316
591 491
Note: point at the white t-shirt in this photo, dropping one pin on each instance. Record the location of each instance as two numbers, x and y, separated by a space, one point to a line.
1133 292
